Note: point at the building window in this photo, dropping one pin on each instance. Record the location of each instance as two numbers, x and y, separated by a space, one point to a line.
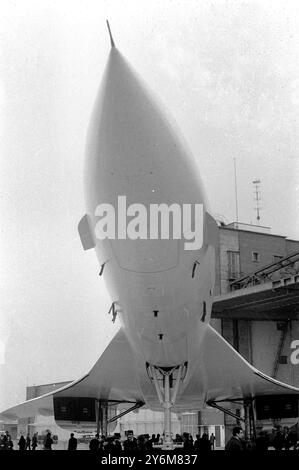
281 325
283 359
255 256
190 423
277 258
233 258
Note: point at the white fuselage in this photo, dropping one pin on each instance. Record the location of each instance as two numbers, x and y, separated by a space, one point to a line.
133 150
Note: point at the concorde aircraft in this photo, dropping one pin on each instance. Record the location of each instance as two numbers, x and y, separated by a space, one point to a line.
165 355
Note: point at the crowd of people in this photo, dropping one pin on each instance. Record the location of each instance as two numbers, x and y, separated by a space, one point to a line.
25 443
146 444
6 442
279 439
112 444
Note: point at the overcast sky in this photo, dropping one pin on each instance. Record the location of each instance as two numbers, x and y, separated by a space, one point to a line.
228 71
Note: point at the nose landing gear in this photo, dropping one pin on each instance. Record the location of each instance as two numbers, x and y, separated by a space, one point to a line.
167 381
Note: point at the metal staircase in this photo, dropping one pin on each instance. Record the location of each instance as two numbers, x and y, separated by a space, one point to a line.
290 264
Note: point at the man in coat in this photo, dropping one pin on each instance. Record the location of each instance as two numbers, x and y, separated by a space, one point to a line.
72 444
235 443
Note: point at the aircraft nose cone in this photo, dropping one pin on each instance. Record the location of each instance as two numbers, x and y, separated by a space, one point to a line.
134 148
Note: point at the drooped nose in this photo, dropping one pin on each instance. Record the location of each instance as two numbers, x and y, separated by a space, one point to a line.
134 149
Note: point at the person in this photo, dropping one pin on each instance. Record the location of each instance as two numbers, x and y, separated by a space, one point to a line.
102 443
278 442
261 442
153 439
5 440
28 442
148 443
130 445
212 441
2 442
188 442
34 441
235 443
48 441
112 446
204 443
287 438
9 443
72 445
197 443
293 439
141 444
250 444
117 445
22 443
94 443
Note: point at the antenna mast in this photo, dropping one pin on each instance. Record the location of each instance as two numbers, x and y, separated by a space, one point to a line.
236 192
257 199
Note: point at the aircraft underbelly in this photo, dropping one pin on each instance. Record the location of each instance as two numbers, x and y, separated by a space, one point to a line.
163 313
167 328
